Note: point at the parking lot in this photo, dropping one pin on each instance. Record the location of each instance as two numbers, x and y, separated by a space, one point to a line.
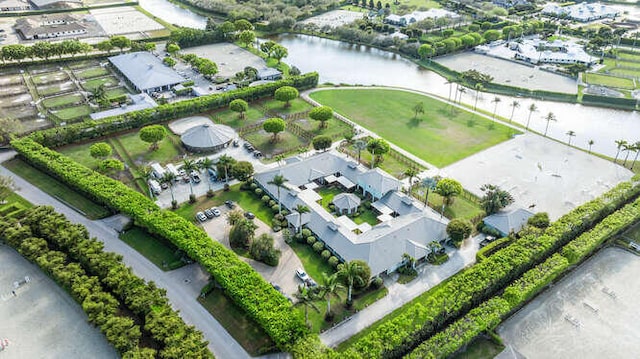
284 275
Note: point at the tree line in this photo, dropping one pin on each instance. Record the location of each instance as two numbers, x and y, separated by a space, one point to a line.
105 288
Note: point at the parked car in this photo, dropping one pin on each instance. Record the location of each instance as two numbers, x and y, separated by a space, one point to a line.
246 145
229 204
249 215
311 283
195 177
200 216
302 275
277 287
236 143
257 154
186 178
208 213
216 212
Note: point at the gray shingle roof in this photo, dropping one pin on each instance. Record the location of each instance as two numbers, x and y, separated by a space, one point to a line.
506 221
346 201
378 181
207 136
145 71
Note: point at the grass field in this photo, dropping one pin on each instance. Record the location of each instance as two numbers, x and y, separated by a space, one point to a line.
461 207
55 89
334 127
297 105
80 153
108 81
230 118
632 56
480 348
235 320
72 113
244 199
140 153
91 73
115 92
56 189
434 136
262 141
160 253
62 100
49 77
609 81
366 215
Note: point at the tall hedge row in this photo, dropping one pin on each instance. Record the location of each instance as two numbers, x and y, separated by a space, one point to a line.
423 317
101 307
447 342
242 284
71 133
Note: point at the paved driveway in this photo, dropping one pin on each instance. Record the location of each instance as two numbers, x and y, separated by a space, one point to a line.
283 274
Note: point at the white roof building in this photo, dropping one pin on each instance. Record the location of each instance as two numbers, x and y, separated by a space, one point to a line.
583 12
405 225
146 72
557 52
418 16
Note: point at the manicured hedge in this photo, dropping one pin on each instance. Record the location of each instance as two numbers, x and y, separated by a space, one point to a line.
59 136
615 102
242 284
426 314
99 305
462 332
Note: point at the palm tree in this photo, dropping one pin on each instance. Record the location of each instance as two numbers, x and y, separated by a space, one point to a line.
146 175
461 90
619 145
550 117
349 272
411 172
206 164
307 298
628 147
189 166
450 83
278 181
330 288
430 184
590 143
301 209
360 146
478 88
225 161
169 178
514 104
636 148
496 100
570 134
532 108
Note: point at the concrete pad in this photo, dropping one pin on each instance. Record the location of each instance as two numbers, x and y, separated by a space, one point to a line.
230 58
42 320
541 172
118 21
180 126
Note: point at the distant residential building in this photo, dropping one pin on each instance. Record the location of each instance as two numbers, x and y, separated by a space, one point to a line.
49 27
14 5
583 12
509 221
508 4
145 72
418 16
55 4
557 52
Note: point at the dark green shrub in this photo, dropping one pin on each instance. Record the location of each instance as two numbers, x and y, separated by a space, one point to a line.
376 283
258 191
318 247
265 199
311 240
325 254
333 261
275 208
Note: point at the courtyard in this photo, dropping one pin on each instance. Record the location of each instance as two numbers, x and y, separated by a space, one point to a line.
41 320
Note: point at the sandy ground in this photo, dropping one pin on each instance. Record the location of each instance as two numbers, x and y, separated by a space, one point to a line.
509 73
230 58
42 321
538 171
590 314
181 125
116 21
334 18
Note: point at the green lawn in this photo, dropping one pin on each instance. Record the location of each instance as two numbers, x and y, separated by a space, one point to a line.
334 127
91 72
296 105
165 256
327 194
49 77
286 141
115 92
361 300
246 200
14 205
230 118
390 164
72 113
481 348
313 263
140 153
434 136
109 81
609 81
366 215
461 207
62 100
629 56
53 89
80 153
56 189
235 320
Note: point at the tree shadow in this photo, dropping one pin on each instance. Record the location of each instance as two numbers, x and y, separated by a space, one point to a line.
414 122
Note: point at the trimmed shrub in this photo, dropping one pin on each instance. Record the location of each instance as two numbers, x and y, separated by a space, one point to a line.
275 208
333 261
318 247
376 283
258 191
325 254
265 199
272 203
253 185
311 240
306 232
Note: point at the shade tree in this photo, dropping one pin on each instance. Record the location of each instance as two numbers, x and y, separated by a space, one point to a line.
153 134
286 94
321 114
274 126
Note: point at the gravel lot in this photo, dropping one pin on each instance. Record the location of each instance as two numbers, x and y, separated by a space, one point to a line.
41 320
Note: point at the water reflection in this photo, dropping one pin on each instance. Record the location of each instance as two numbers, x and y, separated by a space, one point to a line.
173 13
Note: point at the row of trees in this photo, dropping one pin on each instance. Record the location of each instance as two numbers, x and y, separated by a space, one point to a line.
103 285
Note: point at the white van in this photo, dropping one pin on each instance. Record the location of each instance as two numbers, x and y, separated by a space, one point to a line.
154 186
